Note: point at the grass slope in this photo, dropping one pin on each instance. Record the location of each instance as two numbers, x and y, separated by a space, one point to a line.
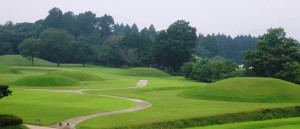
52 107
77 75
4 69
17 60
288 123
248 89
45 80
145 72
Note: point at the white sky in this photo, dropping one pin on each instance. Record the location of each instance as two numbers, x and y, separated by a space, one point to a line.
231 17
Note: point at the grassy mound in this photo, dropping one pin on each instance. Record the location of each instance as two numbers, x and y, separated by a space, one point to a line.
77 75
247 89
45 80
145 72
17 60
4 69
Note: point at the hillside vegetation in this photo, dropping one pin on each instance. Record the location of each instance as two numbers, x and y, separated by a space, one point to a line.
77 75
17 60
45 80
249 89
4 69
145 72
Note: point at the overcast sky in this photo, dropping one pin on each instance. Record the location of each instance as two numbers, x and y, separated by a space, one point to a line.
231 17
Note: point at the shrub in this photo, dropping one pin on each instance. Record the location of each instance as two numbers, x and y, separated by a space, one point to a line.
9 120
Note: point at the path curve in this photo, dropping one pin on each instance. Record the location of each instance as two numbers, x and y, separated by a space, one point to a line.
71 123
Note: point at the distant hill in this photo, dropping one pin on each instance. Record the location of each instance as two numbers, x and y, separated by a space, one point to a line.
17 60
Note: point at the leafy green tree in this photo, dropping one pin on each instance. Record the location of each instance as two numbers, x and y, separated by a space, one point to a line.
69 22
5 48
275 56
187 69
105 25
84 50
175 46
54 19
56 44
29 48
110 53
203 71
4 91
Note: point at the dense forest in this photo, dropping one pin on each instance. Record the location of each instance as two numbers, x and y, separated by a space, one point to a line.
102 41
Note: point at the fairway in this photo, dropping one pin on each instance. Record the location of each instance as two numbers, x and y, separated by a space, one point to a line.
164 93
53 107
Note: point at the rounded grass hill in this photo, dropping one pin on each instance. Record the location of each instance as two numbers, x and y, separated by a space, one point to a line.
77 75
145 72
4 69
247 89
17 60
45 80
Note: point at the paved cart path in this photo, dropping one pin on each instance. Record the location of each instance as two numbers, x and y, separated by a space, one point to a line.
71 123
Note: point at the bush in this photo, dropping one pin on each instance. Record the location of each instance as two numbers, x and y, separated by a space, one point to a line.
9 120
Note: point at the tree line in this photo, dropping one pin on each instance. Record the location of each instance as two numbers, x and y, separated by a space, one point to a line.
86 38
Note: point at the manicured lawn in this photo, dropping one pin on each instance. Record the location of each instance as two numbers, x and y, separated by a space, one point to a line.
17 60
288 123
167 105
164 92
52 107
248 89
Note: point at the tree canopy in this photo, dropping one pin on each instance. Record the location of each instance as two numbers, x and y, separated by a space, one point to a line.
175 46
275 56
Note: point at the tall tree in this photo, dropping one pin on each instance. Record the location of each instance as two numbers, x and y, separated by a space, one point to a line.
56 44
152 31
54 19
134 28
29 48
275 56
5 48
84 50
175 46
127 29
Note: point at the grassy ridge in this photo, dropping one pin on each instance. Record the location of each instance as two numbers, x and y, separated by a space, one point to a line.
4 69
145 72
252 89
77 75
45 80
17 60
288 123
259 115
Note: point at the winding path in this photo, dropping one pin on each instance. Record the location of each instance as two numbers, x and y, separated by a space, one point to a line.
71 123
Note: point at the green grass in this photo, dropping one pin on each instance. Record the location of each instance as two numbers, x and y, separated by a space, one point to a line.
4 69
15 127
145 72
248 90
163 91
77 75
17 60
52 107
288 123
45 80
168 106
